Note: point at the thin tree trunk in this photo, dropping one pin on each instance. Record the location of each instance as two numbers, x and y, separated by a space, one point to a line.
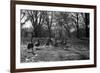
77 26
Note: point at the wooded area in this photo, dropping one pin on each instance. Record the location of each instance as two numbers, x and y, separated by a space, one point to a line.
55 27
54 24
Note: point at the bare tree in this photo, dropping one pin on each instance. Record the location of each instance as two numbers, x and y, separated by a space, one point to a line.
86 18
37 19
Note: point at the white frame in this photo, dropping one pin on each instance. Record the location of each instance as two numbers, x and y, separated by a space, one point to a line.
52 64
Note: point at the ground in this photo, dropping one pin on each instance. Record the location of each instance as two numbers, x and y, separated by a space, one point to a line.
75 49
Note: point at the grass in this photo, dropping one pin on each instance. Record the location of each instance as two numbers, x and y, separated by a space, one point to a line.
76 50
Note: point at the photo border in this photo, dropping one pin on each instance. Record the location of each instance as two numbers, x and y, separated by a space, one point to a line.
13 35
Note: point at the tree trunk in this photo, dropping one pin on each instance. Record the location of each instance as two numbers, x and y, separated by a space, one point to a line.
87 24
77 26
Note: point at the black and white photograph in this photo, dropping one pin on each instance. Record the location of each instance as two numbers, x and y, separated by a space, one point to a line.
54 36
48 36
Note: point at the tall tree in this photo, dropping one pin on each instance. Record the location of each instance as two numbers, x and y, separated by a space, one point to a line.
49 19
86 18
77 26
36 17
87 24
